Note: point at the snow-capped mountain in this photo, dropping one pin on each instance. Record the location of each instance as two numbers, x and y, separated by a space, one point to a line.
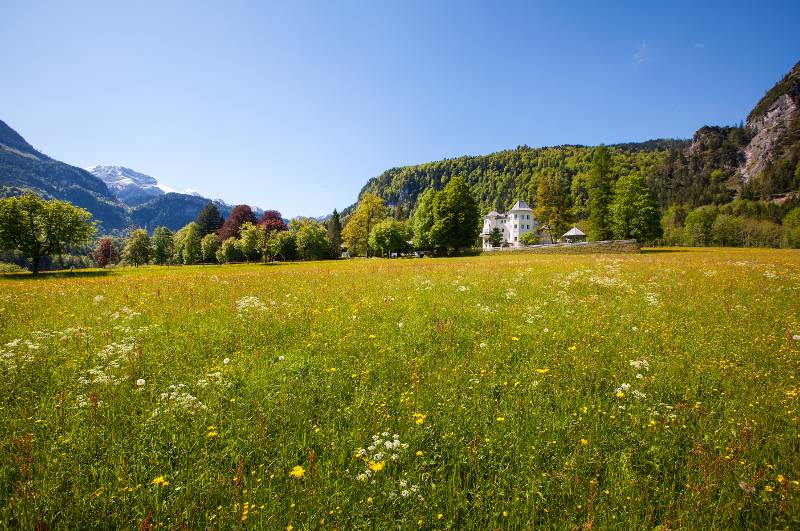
129 186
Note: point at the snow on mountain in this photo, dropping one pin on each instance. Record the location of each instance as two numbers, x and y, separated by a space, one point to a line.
129 186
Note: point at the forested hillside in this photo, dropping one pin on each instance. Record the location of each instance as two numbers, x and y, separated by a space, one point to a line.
712 168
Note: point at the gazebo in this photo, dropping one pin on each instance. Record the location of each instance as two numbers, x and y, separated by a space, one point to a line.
574 235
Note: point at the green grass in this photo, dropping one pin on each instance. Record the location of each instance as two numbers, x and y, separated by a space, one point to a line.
503 374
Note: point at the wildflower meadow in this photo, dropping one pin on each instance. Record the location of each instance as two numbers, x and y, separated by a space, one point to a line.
512 391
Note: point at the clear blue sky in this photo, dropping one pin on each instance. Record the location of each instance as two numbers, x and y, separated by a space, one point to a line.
295 105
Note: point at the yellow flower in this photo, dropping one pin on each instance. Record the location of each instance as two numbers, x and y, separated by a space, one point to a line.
652 422
768 488
781 479
514 338
620 394
542 371
420 453
505 513
213 434
160 481
501 419
439 516
419 418
573 348
376 467
584 442
298 472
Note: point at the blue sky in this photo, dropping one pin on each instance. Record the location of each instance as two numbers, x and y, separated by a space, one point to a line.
295 105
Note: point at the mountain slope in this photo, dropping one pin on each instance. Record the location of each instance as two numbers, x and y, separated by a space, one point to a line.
129 186
24 168
717 165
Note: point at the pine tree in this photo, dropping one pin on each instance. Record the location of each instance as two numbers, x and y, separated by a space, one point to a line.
334 233
600 195
209 219
163 245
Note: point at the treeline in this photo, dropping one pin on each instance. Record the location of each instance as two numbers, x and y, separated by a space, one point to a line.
211 239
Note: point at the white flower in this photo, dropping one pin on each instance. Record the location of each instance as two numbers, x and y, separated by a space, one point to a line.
634 328
226 361
639 376
281 358
140 382
796 337
403 483
404 494
400 324
482 345
546 330
98 299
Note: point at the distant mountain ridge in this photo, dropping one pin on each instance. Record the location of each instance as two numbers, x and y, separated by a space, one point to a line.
118 197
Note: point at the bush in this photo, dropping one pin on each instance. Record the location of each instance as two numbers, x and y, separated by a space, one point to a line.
529 238
5 267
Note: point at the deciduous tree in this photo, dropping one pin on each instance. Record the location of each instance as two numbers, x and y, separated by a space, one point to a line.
272 220
455 216
105 253
241 214
370 210
37 228
137 248
209 245
389 236
423 219
163 246
634 212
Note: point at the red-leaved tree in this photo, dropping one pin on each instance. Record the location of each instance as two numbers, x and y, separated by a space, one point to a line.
106 253
273 221
241 214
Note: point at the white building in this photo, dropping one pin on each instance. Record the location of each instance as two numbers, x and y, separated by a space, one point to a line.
512 225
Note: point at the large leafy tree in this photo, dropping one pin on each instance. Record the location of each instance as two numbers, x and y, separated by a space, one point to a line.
163 245
231 228
105 253
334 233
187 245
251 240
281 245
455 216
228 251
423 219
389 236
272 220
698 229
37 228
368 213
601 194
552 204
209 245
310 238
634 211
209 219
137 248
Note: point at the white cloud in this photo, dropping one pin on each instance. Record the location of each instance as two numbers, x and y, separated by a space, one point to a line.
698 45
641 53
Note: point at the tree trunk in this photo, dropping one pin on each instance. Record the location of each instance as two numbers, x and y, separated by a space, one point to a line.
35 264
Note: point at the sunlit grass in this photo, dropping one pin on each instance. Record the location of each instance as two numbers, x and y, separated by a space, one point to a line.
524 391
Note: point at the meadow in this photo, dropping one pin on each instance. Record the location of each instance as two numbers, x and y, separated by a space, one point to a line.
489 392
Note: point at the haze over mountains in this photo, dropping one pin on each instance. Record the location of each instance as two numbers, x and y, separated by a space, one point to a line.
759 160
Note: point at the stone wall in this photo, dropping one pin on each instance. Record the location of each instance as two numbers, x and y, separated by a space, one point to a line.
611 246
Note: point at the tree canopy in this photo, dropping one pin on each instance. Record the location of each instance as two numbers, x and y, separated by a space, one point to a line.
36 228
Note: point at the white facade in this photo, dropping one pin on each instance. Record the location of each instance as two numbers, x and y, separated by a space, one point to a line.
513 225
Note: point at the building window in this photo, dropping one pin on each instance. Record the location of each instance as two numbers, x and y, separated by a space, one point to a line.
515 238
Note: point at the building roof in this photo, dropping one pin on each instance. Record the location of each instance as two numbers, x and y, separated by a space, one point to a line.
521 205
494 214
574 231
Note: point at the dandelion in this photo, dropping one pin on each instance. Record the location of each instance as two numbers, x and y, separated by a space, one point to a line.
419 418
619 394
514 338
584 442
501 419
298 472
420 453
376 467
160 481
573 348
542 371
140 382
213 434
768 488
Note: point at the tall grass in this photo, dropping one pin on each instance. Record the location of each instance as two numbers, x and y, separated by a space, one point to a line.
524 391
